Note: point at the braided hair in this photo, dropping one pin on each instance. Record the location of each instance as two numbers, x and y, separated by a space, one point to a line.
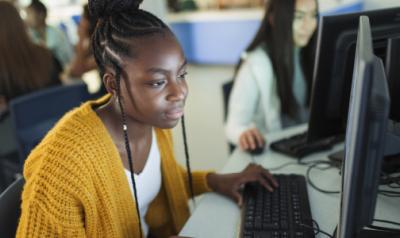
120 22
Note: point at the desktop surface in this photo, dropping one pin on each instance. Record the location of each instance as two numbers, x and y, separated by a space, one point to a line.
217 216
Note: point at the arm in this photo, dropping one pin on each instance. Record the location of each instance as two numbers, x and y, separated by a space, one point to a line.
49 208
83 60
36 221
200 182
242 103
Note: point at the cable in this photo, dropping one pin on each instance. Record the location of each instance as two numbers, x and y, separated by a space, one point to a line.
384 229
312 183
282 166
394 186
317 230
386 221
389 193
315 223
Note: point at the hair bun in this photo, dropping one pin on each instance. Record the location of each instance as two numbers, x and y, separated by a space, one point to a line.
104 8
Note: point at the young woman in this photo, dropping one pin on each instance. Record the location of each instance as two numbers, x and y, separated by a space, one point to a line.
273 81
107 169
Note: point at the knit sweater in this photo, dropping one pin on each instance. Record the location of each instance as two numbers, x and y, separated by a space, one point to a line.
76 185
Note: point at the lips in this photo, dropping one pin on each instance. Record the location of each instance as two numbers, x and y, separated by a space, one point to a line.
174 114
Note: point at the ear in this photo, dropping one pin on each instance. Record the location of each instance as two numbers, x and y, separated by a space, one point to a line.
110 83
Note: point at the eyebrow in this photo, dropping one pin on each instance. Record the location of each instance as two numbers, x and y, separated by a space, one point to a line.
163 71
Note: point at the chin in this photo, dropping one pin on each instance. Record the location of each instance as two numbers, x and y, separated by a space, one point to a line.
302 43
168 124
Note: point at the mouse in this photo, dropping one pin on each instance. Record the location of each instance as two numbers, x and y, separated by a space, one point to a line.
257 151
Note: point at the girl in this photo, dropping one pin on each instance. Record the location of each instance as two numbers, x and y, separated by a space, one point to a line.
107 169
273 81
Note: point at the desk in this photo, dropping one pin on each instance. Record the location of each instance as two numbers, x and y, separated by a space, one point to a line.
217 216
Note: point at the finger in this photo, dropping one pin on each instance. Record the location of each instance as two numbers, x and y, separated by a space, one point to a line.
270 177
242 143
265 183
259 138
250 140
238 198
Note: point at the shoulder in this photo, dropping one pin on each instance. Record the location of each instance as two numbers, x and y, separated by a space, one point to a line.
258 56
71 142
258 63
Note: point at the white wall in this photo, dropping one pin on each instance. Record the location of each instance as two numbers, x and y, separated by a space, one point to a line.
375 4
157 7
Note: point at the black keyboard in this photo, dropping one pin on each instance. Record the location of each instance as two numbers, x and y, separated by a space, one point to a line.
298 146
284 213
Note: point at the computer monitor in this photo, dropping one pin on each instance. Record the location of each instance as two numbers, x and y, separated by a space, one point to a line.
334 66
365 138
393 76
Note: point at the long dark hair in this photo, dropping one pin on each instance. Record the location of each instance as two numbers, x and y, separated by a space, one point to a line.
24 66
278 43
120 22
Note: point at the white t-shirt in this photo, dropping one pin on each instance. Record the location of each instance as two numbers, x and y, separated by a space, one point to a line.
148 182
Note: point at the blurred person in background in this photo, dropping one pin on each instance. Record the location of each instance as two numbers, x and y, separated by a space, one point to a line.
83 60
273 79
24 68
45 35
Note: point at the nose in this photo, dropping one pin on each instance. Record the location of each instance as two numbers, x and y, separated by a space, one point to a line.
177 91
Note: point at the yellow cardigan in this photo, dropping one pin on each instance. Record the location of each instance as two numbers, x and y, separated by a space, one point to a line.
76 185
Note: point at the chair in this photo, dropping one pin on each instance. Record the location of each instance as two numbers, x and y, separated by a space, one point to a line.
9 157
33 115
226 92
10 203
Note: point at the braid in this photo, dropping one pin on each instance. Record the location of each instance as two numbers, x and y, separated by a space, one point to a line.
127 145
189 171
113 35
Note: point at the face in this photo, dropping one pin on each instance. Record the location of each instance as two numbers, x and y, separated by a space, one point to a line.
304 22
155 90
33 18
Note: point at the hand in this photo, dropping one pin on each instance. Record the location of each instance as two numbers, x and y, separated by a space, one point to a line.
230 184
251 139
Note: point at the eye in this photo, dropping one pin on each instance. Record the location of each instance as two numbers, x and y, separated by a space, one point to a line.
157 83
183 76
298 17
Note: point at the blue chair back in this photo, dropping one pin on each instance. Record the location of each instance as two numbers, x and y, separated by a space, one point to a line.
10 203
34 114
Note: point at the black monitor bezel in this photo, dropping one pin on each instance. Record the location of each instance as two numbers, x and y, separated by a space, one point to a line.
335 37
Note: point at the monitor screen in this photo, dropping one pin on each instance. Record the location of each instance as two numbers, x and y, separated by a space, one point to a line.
365 137
334 63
